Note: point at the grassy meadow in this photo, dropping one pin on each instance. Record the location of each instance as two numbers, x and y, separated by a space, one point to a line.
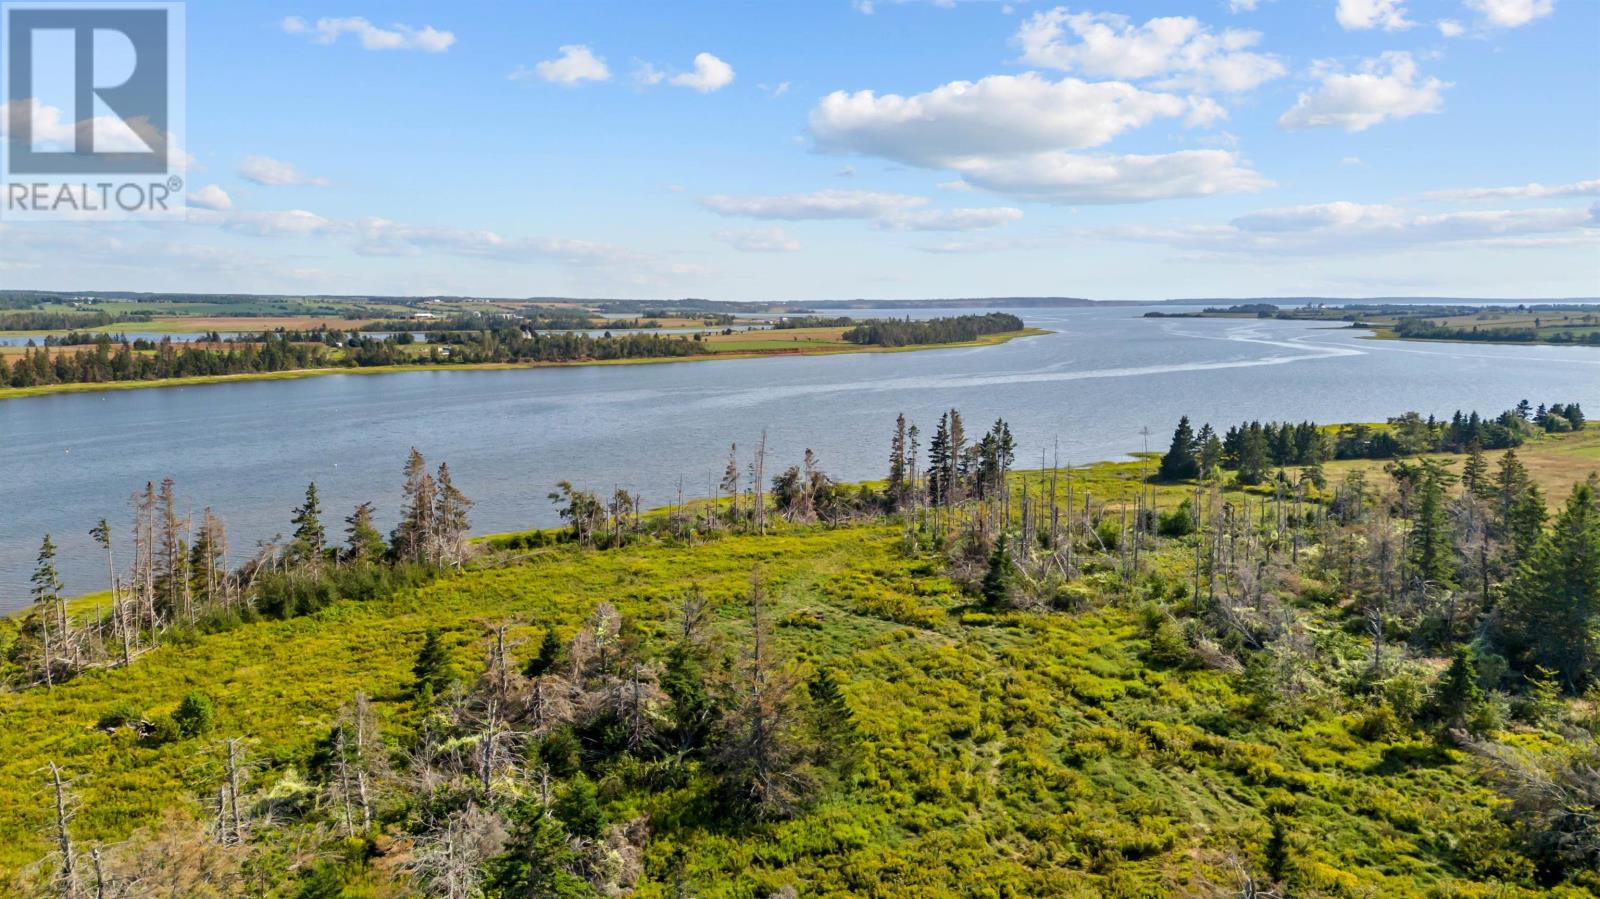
1004 753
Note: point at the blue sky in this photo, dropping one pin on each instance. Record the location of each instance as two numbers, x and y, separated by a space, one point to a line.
831 148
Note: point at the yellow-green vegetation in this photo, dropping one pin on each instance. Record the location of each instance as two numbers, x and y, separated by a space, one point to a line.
1082 750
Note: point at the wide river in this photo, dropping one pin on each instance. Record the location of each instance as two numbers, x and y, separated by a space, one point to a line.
248 449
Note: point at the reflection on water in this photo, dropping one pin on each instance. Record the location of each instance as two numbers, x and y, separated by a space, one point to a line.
247 449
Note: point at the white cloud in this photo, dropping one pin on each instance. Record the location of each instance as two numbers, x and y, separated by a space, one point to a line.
575 65
1006 133
1534 191
998 114
107 134
961 186
1511 13
775 90
646 74
396 37
1181 51
1451 28
1342 227
710 74
1239 6
211 197
1383 89
1351 160
887 211
759 240
288 223
949 219
1069 178
271 172
822 204
1362 15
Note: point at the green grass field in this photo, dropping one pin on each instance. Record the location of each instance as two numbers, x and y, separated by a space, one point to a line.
1013 753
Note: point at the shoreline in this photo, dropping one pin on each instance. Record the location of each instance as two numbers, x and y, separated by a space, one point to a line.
14 393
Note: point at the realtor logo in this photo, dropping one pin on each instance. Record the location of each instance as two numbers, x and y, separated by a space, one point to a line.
93 111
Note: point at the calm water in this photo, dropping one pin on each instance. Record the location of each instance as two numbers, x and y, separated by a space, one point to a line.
248 449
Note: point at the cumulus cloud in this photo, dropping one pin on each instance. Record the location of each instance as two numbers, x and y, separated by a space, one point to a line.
1363 15
396 37
211 197
1180 51
997 114
1451 28
1533 191
710 74
1239 6
269 172
1386 88
1329 228
575 65
1511 13
759 240
1011 134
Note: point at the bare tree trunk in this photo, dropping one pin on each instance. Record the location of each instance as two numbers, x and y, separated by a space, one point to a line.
69 864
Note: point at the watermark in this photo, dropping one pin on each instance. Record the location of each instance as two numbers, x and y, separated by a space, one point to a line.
91 111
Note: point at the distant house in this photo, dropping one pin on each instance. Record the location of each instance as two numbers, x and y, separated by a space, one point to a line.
417 316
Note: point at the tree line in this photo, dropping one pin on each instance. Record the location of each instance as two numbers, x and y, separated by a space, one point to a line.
183 578
955 329
1252 450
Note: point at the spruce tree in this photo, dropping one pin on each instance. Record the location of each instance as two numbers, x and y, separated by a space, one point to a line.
1459 696
1475 473
1432 553
998 580
363 543
1551 613
895 490
1179 463
310 536
432 670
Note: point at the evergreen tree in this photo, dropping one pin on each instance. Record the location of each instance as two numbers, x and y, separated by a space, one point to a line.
1431 550
1459 697
999 579
1551 613
939 463
363 543
410 537
432 670
1475 473
837 733
310 536
579 808
46 581
1179 463
550 652
450 522
896 489
1254 456
1209 452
